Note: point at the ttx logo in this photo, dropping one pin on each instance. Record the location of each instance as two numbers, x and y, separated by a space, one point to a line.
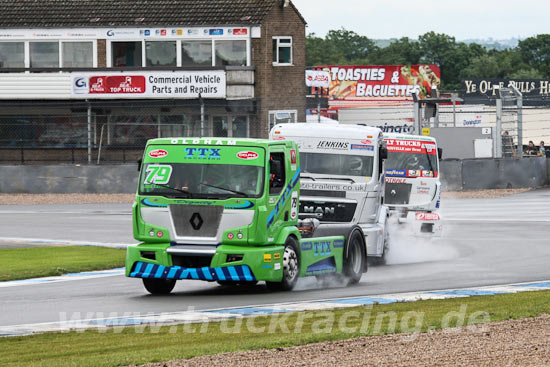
210 153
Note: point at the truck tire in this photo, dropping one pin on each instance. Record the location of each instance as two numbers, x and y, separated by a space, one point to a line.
354 260
159 286
291 267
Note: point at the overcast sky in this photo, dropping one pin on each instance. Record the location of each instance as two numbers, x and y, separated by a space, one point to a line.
463 19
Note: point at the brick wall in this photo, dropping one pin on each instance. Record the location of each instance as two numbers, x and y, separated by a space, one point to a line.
101 53
280 87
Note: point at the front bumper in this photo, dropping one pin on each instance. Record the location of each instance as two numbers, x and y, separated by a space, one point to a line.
239 273
258 263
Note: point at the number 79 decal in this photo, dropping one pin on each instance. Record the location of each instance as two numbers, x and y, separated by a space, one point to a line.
157 174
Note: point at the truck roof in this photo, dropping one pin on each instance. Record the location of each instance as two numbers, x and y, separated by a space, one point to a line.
214 141
339 131
399 136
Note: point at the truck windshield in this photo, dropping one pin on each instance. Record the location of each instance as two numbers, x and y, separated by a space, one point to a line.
411 161
336 164
205 181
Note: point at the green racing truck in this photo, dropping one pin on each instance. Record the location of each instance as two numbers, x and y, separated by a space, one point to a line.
226 210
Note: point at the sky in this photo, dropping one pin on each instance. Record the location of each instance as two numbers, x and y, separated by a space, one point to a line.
462 19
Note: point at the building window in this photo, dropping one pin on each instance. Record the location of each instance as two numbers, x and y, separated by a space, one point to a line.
12 54
220 126
281 117
239 127
44 54
126 54
282 50
196 53
160 53
230 53
78 54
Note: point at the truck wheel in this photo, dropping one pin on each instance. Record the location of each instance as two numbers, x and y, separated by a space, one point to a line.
159 286
354 262
291 267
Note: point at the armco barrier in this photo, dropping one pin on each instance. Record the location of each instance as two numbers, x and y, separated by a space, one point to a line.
475 174
467 174
65 179
451 175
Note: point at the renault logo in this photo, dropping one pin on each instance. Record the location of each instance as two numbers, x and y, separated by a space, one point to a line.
196 221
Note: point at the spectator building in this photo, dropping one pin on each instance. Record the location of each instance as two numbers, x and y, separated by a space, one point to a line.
102 77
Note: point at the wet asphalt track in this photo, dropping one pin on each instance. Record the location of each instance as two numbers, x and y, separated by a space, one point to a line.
484 242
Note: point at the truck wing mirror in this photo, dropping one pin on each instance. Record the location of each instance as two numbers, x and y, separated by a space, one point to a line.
439 153
139 161
383 153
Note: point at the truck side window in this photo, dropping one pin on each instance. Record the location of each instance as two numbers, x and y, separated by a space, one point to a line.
276 173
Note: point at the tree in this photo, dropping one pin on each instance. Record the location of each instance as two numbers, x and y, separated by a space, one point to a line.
353 48
400 52
535 51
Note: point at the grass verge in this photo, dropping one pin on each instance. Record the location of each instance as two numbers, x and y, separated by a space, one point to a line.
37 262
138 345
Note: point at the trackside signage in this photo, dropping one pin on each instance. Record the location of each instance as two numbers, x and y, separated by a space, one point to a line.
181 84
355 86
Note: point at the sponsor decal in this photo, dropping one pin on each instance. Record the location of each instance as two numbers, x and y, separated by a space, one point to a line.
427 174
423 190
158 153
240 31
427 216
230 236
279 138
202 141
277 266
411 146
396 180
147 32
216 32
366 141
362 147
110 33
203 153
294 205
267 258
247 155
160 234
179 32
396 173
163 32
293 156
337 145
414 173
276 256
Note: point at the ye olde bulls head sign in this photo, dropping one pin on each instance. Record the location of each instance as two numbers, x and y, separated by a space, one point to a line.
535 92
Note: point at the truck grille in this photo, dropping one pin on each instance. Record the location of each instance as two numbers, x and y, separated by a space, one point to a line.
330 211
397 193
196 220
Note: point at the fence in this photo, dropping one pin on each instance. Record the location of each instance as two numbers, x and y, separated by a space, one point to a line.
112 133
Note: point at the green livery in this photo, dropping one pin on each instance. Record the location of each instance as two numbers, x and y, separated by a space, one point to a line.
226 210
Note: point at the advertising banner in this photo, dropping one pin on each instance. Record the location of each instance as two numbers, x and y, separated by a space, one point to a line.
180 84
350 84
317 78
535 92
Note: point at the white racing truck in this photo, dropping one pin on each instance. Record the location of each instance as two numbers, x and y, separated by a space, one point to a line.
412 186
341 178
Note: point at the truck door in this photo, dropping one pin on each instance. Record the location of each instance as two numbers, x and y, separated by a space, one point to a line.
278 195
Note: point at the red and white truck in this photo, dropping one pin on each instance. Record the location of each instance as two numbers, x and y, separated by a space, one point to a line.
412 187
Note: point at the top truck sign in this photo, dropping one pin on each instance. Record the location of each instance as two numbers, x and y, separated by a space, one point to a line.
184 84
350 85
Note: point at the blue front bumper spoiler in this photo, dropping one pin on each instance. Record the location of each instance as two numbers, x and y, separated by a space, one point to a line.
237 273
